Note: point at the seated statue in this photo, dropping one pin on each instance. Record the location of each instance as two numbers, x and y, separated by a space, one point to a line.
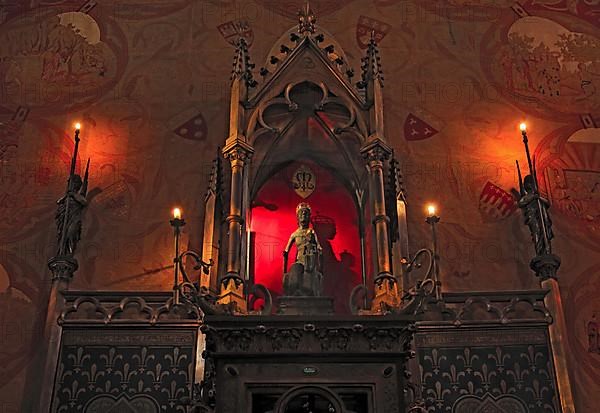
304 277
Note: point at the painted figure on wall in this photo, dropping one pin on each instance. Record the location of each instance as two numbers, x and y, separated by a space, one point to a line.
60 59
304 277
575 187
593 334
542 60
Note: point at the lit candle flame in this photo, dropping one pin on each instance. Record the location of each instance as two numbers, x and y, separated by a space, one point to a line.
78 126
523 127
176 213
431 210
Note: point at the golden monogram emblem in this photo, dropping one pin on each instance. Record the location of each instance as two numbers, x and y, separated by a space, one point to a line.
304 181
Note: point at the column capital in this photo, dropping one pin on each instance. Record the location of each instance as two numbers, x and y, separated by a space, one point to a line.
63 268
376 151
238 150
545 266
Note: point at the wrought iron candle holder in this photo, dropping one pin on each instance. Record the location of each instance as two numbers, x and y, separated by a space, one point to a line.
537 218
69 218
185 288
430 284
433 219
423 289
192 292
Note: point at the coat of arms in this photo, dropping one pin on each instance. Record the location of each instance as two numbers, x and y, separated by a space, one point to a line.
495 203
304 181
365 26
233 30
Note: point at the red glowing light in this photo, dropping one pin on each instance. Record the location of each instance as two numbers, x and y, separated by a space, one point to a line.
334 218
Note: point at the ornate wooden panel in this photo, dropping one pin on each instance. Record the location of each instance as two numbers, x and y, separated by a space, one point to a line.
487 369
258 364
133 370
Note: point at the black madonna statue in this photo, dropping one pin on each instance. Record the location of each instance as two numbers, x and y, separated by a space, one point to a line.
304 277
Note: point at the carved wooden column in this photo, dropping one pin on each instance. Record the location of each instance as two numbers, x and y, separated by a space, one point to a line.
386 285
399 226
62 269
238 151
232 285
545 264
211 242
63 265
376 152
546 267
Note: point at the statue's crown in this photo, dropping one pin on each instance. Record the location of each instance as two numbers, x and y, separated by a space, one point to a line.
301 206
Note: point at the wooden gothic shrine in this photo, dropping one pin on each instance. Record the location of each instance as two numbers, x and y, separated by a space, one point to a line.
304 143
305 296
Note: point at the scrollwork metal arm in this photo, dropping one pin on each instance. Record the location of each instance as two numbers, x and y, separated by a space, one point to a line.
199 264
414 264
414 297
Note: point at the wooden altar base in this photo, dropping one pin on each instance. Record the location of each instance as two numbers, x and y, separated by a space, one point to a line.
294 305
279 363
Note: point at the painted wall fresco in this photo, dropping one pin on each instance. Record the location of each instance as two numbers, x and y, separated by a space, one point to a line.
148 79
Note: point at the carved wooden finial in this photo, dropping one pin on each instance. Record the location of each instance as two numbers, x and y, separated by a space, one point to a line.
215 180
397 180
371 63
242 67
306 20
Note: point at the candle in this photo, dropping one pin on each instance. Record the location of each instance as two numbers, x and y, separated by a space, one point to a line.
176 213
431 210
433 219
176 223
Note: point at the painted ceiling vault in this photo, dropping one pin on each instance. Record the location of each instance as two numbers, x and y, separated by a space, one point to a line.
149 82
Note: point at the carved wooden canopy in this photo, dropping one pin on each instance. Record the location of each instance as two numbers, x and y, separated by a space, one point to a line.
306 82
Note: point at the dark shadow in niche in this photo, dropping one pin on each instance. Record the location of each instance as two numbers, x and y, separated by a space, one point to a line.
338 277
309 403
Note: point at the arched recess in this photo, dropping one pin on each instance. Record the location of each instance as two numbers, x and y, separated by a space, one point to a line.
319 399
306 120
335 217
302 133
307 107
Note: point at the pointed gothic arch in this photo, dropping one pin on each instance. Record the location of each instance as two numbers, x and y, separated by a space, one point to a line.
306 106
